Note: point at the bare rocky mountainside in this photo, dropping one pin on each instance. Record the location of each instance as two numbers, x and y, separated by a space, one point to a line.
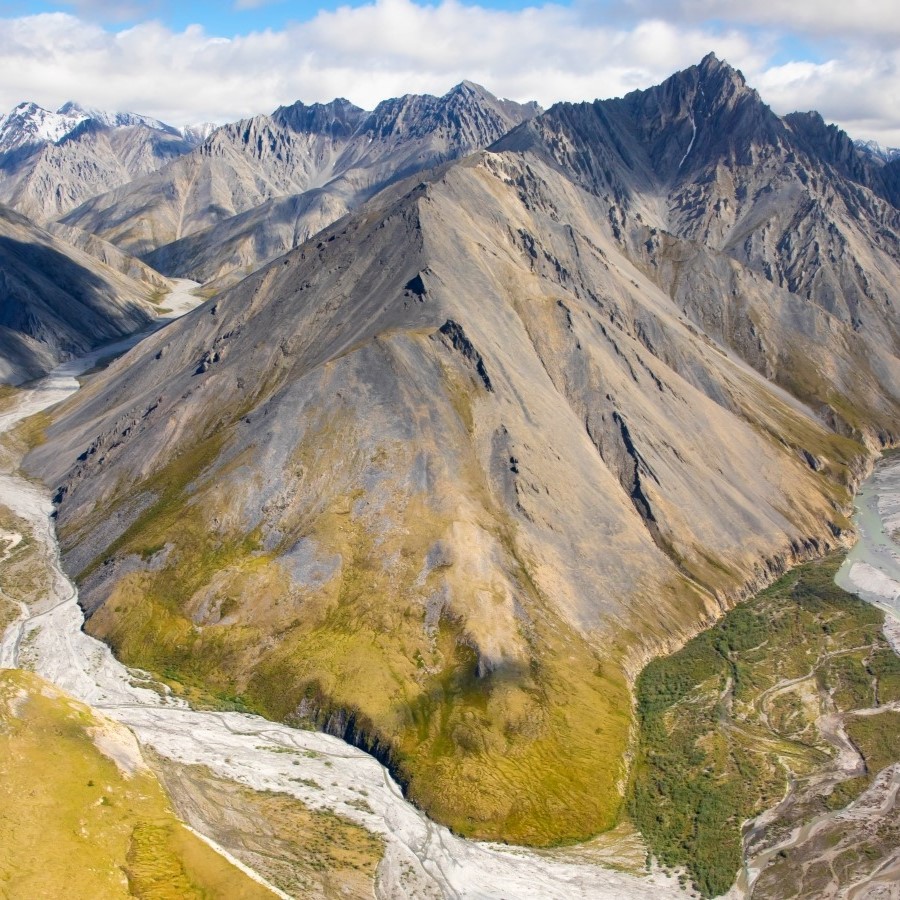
263 186
52 162
58 301
441 479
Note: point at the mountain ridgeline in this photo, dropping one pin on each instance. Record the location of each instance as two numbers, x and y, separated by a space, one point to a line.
442 477
264 185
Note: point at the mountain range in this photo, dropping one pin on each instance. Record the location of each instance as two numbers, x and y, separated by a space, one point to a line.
509 402
877 151
50 162
262 186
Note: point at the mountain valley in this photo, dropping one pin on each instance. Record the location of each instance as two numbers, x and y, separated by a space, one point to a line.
488 407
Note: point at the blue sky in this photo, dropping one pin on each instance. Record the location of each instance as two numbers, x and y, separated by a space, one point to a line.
219 61
223 18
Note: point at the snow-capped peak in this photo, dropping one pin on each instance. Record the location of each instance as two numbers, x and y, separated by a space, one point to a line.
113 119
30 124
197 134
877 152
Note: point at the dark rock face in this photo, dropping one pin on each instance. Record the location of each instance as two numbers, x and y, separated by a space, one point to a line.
458 340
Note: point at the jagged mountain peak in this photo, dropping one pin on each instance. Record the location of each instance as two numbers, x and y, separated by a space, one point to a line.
29 124
469 87
338 115
468 112
660 134
198 132
702 91
711 67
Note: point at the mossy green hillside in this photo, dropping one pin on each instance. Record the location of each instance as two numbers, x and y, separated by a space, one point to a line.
875 736
729 719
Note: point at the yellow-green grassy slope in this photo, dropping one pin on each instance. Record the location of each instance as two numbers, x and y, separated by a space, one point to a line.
75 824
531 753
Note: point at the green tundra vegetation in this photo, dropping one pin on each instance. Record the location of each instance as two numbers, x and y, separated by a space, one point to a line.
726 721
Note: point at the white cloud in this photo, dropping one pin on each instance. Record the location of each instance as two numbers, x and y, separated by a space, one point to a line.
836 18
389 47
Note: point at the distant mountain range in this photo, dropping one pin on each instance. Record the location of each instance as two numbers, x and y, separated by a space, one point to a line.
264 185
51 162
875 151
29 125
499 403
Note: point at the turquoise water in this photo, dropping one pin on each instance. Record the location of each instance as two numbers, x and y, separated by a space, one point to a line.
872 567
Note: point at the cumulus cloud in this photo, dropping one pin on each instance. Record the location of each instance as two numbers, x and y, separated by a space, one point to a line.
390 47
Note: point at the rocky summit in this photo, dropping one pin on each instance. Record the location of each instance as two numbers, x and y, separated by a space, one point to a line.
443 477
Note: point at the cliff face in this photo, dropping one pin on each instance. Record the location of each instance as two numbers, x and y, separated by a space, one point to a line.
440 478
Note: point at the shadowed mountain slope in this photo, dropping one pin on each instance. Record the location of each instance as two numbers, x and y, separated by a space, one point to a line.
111 256
57 301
